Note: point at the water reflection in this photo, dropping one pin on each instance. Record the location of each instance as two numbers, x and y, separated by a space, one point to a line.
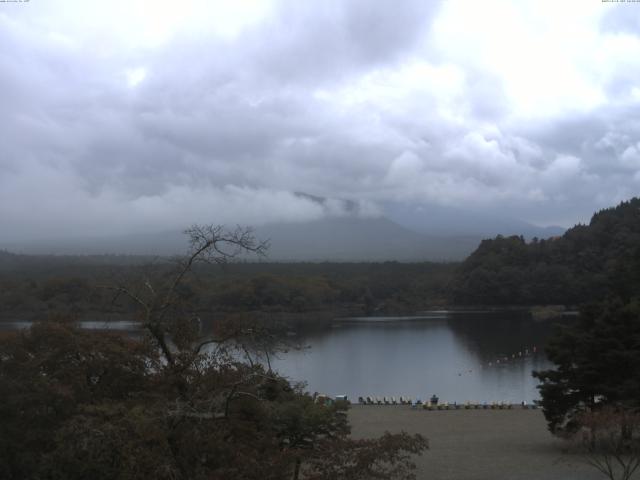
474 357
477 357
116 325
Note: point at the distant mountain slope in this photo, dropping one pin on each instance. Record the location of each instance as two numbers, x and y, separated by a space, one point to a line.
438 220
585 263
354 239
350 230
348 238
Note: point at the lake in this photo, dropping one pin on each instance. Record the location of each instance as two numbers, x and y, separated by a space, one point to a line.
478 357
470 356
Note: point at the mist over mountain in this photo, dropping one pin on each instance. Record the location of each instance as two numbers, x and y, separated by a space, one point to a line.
347 231
127 121
450 221
332 239
356 238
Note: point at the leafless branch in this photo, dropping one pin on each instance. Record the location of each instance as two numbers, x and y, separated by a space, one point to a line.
125 291
207 243
608 443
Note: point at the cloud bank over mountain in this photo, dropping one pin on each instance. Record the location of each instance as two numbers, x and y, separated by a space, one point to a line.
127 116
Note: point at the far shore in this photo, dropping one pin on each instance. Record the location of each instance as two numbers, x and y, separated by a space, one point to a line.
477 444
324 317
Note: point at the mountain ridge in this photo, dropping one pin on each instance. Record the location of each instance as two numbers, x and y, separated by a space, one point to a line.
347 232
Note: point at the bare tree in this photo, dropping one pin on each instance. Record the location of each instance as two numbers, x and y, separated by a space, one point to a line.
158 298
608 439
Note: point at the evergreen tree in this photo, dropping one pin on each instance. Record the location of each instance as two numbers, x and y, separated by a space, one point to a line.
597 363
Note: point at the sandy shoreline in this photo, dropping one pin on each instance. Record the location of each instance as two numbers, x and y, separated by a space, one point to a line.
477 444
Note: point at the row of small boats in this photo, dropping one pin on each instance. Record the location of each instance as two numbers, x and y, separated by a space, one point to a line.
386 400
436 405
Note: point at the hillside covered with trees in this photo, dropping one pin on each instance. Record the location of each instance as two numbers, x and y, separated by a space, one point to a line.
587 262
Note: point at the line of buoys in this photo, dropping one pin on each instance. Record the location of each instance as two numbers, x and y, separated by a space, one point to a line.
525 352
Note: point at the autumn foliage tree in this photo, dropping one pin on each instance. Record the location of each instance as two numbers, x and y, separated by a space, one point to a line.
173 404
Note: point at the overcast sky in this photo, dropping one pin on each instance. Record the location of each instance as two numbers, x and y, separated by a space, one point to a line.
129 115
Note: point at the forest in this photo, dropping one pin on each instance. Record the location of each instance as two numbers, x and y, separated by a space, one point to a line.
35 286
587 262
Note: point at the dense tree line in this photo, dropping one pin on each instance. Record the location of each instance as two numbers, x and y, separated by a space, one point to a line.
587 262
67 285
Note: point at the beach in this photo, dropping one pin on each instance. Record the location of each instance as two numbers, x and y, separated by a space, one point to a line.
477 444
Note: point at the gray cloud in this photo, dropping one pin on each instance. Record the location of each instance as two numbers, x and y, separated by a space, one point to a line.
357 100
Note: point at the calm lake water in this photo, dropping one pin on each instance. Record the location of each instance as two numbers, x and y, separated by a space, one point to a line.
459 357
119 325
478 357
